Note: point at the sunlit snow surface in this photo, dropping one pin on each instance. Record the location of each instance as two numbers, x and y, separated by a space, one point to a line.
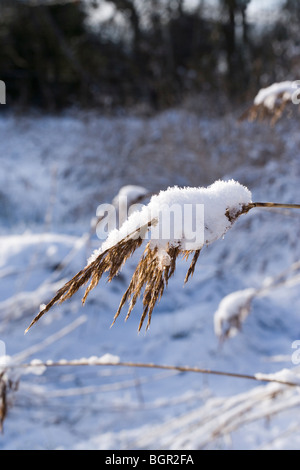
55 171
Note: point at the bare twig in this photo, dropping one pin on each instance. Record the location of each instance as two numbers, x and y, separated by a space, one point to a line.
274 204
100 362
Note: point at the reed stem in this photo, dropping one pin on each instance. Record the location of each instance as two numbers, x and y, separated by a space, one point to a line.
273 204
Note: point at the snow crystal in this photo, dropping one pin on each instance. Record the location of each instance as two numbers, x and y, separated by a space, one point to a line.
186 217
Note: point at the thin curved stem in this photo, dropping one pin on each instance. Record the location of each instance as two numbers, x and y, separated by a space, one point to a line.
273 204
99 362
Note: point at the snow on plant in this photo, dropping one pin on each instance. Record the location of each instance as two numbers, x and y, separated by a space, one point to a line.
10 374
177 222
284 375
232 311
185 234
270 102
12 368
220 418
268 96
235 307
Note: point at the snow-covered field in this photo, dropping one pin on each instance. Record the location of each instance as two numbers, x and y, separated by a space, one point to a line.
55 171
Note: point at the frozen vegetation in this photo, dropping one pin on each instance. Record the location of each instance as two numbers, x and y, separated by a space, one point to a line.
214 201
55 172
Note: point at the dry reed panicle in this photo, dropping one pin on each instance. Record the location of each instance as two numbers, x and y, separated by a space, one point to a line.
260 112
149 274
110 260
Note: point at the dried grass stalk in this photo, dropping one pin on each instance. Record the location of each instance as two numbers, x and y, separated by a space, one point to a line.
6 385
3 401
262 113
148 276
272 102
110 260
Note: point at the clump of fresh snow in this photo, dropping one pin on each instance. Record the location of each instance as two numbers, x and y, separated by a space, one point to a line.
5 361
12 370
284 375
186 217
232 311
8 372
92 360
36 367
269 95
106 358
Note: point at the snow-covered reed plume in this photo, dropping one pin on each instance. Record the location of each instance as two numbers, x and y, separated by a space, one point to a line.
191 228
232 312
176 222
235 307
270 102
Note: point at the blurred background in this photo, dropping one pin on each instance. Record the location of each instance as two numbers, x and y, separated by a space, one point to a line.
144 54
101 94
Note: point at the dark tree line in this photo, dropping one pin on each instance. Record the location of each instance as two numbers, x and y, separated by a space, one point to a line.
154 52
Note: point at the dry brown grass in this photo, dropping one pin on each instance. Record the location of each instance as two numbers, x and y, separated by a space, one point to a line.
148 276
110 260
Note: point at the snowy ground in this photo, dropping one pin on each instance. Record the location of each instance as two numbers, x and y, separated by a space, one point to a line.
55 171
